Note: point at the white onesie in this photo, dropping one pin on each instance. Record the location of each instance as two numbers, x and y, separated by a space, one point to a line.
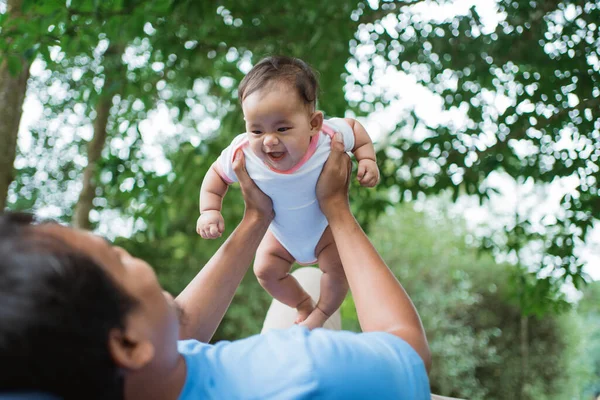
299 222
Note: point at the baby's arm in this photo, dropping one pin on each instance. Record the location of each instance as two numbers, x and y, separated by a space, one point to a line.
211 224
368 172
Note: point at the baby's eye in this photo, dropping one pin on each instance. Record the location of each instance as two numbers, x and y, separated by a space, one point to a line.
257 132
282 129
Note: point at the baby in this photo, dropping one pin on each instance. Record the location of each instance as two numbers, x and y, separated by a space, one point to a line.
286 144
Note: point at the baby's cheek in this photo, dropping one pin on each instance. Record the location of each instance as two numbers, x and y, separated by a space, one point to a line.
301 146
256 148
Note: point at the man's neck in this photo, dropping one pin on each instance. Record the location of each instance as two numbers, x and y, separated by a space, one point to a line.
156 382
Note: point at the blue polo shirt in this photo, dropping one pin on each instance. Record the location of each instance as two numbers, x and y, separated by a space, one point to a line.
300 364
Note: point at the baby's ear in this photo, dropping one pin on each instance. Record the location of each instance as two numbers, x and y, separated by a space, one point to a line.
316 121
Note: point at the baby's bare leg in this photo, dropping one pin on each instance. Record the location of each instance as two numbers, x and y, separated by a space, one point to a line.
334 285
272 269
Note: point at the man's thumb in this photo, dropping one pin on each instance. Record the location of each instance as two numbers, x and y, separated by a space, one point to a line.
239 165
338 142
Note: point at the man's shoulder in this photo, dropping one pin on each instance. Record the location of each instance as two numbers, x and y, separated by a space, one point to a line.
374 365
343 364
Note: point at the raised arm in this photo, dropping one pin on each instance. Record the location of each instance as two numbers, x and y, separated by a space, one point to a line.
368 172
212 191
381 302
206 299
210 224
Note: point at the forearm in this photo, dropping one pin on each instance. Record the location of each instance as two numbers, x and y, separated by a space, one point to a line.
381 302
212 191
365 152
206 299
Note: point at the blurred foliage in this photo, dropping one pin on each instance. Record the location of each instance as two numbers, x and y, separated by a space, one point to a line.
472 324
530 88
589 309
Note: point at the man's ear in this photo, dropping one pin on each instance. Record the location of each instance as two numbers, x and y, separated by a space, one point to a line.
316 121
129 349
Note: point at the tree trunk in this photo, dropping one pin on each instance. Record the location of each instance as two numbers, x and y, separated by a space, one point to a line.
12 95
112 62
81 216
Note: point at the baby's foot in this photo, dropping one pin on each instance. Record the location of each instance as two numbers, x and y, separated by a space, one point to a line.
316 319
305 308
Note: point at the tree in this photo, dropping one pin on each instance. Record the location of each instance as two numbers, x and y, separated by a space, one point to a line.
527 86
74 31
14 72
177 55
547 83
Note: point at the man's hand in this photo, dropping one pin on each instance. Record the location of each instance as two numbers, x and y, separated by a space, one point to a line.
255 199
210 225
332 187
368 173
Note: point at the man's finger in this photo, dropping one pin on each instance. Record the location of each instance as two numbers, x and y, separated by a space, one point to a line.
338 153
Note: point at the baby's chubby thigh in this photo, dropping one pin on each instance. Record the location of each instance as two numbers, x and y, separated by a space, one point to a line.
327 254
272 260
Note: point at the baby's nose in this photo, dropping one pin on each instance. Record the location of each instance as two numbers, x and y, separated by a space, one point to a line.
271 140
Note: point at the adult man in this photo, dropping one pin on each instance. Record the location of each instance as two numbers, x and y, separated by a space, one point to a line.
82 319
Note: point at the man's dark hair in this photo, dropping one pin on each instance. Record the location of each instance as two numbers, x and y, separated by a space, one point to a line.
57 307
281 69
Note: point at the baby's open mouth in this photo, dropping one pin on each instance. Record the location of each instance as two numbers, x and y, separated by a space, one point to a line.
276 155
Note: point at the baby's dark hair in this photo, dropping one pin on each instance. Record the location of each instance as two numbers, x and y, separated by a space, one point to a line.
282 69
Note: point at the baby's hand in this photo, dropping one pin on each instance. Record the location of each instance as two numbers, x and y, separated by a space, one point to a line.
210 225
368 173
